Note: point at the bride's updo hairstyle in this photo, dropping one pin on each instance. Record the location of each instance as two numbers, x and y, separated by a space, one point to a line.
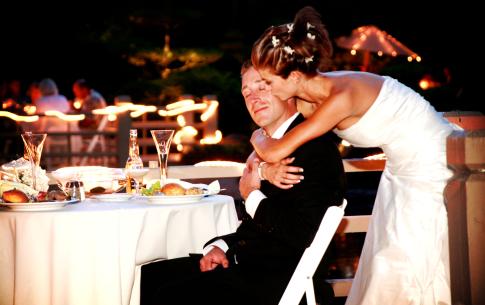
302 45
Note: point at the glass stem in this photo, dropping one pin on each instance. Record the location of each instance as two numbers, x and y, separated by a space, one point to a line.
34 180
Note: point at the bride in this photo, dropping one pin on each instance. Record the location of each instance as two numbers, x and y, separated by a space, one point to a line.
405 254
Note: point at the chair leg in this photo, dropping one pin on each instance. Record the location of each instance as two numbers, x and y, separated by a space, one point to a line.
102 143
310 293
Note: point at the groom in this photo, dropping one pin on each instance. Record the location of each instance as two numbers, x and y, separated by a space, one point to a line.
254 264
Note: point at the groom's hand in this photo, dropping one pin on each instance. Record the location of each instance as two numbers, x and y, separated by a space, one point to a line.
250 180
214 258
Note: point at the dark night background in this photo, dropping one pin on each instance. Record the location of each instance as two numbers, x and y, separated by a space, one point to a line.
93 40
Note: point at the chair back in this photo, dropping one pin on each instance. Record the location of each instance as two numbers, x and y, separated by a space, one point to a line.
302 280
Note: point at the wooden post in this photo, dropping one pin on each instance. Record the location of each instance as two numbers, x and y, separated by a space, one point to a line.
465 200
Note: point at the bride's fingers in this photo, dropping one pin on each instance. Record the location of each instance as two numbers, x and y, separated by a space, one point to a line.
291 177
283 186
293 169
287 161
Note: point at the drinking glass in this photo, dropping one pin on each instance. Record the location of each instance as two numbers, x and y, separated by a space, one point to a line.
34 142
137 174
163 139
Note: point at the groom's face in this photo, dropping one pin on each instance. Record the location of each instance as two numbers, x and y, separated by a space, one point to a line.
264 108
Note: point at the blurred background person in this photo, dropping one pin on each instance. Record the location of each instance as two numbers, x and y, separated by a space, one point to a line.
12 98
86 100
50 98
33 92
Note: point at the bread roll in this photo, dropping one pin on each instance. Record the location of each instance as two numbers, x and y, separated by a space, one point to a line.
14 196
173 189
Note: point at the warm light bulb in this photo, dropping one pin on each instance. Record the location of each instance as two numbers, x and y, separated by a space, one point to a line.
77 104
30 109
424 84
353 52
418 58
410 58
380 53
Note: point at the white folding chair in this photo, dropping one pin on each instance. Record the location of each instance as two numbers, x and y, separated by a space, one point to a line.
302 280
98 139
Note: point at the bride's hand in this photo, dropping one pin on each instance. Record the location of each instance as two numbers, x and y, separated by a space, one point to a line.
281 174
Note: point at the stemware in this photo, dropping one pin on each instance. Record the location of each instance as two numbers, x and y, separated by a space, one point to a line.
34 142
137 174
163 139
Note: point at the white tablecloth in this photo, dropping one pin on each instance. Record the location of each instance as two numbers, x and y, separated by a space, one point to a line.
91 252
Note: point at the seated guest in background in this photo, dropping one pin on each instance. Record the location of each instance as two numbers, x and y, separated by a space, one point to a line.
33 92
13 99
89 99
50 98
254 264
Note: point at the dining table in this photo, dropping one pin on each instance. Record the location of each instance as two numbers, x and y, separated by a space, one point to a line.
91 252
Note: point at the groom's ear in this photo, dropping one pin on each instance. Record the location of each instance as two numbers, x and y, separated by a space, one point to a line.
295 76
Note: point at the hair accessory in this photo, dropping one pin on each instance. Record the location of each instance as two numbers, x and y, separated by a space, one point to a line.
289 50
308 59
309 35
275 41
290 27
309 25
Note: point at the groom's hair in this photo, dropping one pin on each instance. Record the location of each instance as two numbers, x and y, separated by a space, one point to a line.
247 64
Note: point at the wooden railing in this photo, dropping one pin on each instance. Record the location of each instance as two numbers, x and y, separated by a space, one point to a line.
465 201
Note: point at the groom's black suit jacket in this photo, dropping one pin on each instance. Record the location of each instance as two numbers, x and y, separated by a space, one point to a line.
287 220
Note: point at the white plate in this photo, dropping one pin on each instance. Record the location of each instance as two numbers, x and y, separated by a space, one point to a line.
114 197
37 206
164 199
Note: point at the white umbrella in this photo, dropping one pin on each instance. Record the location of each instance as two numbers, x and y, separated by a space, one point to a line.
372 39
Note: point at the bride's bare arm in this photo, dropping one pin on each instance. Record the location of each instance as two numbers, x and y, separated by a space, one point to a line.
324 119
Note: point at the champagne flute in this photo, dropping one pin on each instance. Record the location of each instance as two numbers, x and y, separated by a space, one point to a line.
163 139
34 142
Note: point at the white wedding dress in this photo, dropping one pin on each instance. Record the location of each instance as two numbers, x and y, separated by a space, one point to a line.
405 255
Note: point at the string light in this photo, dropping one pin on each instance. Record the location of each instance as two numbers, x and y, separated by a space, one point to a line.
19 118
210 111
65 117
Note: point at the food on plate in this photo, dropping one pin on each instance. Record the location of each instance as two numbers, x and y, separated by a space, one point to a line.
14 196
22 170
56 195
173 189
18 192
6 185
194 191
97 190
152 190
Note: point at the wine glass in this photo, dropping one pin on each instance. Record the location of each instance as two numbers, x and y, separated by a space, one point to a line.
34 142
137 174
163 139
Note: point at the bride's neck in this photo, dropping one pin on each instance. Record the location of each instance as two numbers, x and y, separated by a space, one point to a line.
314 89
